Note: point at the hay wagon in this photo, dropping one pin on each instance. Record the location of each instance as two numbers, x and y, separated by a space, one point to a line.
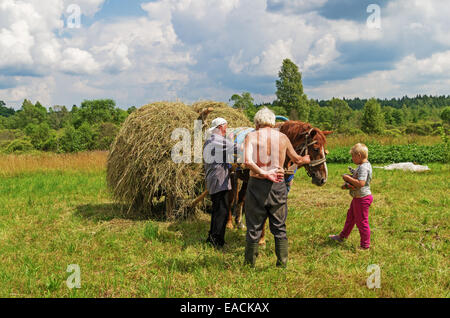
140 170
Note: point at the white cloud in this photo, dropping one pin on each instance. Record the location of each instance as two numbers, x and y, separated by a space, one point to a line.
323 52
161 11
15 46
201 9
409 76
212 48
78 62
413 18
237 64
114 55
37 90
272 57
28 43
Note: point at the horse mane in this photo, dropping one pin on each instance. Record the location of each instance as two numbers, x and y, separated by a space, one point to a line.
295 130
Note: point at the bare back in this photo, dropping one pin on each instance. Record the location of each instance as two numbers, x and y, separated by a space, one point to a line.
267 148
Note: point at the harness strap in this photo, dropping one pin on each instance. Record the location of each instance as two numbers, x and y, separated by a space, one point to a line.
317 162
304 150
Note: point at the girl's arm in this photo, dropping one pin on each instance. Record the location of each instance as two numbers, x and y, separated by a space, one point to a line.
354 182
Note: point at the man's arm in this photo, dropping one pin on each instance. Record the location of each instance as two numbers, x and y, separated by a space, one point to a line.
298 160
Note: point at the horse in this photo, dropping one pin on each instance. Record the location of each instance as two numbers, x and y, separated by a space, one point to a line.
306 140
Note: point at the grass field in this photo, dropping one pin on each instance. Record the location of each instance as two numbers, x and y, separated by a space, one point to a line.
56 211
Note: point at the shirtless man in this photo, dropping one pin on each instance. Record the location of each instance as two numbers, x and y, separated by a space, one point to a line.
266 197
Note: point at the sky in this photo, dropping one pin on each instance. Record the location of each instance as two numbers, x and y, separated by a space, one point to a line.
138 52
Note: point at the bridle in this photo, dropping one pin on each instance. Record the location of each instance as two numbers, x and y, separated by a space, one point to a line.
302 150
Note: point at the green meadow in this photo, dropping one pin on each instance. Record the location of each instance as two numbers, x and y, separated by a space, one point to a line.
51 218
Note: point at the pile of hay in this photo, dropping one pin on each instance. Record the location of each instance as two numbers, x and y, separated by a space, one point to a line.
140 170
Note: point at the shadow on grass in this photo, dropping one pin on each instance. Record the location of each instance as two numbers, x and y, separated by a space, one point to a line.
111 211
327 242
195 232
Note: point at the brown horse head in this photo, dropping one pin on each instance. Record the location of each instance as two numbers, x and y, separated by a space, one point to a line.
312 141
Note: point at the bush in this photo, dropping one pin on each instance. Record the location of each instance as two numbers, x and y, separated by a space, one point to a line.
394 154
105 134
38 134
86 137
51 144
19 146
3 145
423 129
446 143
392 132
76 140
350 131
325 126
445 115
7 135
69 141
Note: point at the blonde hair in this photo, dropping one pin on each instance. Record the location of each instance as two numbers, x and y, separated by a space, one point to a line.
360 149
265 117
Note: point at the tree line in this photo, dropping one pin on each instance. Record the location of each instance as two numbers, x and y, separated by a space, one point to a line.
92 126
422 115
95 123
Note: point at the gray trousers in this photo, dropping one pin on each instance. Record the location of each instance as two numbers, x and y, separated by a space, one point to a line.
265 199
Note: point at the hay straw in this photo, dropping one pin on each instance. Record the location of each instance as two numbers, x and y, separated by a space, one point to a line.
140 169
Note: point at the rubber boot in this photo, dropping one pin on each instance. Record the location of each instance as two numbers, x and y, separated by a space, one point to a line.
251 253
281 250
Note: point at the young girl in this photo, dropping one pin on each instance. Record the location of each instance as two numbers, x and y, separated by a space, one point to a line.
359 185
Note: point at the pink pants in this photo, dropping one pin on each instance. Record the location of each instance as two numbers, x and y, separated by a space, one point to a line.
359 214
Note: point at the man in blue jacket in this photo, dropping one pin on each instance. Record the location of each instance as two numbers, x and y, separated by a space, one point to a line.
218 153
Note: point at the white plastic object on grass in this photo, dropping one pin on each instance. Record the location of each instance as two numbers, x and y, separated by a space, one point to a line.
405 166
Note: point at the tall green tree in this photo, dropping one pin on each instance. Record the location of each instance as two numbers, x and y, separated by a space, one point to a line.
58 116
120 116
132 109
94 111
445 115
246 103
243 101
314 112
30 114
38 134
4 111
290 93
69 141
342 113
75 140
388 112
104 136
326 117
398 116
372 118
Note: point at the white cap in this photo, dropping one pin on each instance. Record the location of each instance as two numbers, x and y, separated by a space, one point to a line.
216 123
